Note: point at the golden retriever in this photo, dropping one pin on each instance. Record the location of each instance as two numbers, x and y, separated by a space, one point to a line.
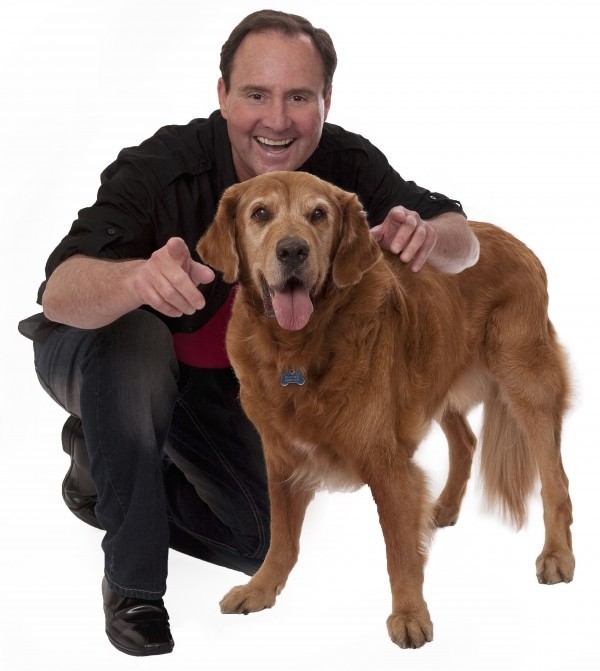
345 357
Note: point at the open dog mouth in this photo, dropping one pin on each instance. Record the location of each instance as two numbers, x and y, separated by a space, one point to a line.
290 303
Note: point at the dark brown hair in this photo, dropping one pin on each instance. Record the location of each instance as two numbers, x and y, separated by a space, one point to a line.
287 24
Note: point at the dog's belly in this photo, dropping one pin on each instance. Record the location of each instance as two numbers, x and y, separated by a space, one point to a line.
467 391
317 468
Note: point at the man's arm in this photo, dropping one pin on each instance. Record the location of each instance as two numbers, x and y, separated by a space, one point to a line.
89 293
446 241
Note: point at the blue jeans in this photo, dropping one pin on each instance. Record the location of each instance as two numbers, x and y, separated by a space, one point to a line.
174 460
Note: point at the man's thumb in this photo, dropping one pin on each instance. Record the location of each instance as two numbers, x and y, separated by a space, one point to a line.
377 232
178 251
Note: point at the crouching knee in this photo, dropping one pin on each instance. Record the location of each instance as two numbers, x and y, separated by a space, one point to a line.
140 337
138 350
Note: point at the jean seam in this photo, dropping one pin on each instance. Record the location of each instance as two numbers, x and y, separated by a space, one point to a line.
94 352
247 495
160 591
211 541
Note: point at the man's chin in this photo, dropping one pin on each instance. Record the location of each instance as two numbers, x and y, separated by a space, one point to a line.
278 165
274 163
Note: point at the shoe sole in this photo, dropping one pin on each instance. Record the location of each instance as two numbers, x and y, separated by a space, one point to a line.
147 652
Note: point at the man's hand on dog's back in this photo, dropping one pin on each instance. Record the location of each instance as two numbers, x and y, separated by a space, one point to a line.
445 242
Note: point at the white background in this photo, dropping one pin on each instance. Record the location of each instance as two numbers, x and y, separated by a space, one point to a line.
491 102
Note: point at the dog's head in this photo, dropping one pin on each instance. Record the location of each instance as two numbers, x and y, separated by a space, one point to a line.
288 234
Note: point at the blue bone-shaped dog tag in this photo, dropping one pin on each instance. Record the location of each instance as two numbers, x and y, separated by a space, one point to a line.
292 377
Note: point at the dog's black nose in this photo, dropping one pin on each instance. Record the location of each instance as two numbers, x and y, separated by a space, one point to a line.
292 252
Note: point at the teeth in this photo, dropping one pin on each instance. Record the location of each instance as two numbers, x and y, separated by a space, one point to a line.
274 143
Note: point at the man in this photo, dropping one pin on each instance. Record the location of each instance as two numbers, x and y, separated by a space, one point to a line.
131 340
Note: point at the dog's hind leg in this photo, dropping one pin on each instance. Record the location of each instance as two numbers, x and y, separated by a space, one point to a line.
402 502
556 563
542 429
461 446
532 395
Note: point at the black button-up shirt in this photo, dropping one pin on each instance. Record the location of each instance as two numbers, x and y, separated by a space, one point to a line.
170 185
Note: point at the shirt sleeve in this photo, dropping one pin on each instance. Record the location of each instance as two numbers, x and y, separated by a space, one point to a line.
121 224
384 189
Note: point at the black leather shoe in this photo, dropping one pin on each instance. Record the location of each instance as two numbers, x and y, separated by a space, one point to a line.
136 626
78 490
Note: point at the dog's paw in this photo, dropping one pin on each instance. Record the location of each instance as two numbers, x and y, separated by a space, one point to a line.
445 515
247 599
410 630
554 567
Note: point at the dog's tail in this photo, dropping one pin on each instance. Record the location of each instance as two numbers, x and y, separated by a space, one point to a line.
508 466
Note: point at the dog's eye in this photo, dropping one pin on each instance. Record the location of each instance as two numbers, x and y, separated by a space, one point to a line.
318 214
261 214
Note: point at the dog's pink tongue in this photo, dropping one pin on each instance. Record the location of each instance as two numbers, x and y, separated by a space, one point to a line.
293 308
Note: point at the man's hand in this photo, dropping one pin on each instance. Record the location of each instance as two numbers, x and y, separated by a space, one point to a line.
403 232
168 280
89 292
446 242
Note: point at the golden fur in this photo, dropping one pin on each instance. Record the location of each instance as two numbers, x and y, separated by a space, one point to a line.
386 352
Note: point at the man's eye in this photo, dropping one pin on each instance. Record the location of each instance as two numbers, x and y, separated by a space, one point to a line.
318 214
261 214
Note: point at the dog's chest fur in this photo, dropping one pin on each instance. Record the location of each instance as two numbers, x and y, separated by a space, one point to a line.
320 468
310 427
313 426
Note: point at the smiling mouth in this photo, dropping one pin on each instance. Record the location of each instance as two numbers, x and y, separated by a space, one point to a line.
274 145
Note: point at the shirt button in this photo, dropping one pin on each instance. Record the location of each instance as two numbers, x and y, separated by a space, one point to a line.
111 231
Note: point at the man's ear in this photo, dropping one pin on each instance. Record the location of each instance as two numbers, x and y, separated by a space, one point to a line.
217 247
222 95
357 250
327 104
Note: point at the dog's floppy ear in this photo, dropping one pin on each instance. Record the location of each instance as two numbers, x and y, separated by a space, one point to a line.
357 250
217 246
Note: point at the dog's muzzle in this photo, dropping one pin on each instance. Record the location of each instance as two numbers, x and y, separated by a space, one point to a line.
289 301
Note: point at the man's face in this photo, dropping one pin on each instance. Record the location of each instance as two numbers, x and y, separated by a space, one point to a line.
275 107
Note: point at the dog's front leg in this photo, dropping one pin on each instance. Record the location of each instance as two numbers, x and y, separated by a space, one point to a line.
288 506
402 502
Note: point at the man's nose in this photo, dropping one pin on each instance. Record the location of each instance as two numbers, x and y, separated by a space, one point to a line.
276 116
